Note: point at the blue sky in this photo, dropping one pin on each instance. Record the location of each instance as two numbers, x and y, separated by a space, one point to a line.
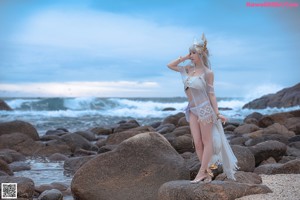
120 49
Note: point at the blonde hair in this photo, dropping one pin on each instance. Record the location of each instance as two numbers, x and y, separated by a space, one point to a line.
202 50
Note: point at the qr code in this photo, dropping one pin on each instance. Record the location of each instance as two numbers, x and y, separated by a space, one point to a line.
9 190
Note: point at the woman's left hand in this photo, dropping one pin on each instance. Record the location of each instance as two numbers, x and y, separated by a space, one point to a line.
222 118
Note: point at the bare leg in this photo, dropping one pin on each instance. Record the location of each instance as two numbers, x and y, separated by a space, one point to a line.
196 133
206 130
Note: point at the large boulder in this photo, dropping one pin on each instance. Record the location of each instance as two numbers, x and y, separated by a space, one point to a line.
264 150
242 177
173 119
286 97
19 127
4 167
291 167
52 194
184 190
19 142
10 156
76 142
246 128
4 106
134 170
293 124
71 165
25 186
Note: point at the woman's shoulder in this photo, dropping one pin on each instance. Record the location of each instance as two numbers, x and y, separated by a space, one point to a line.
209 72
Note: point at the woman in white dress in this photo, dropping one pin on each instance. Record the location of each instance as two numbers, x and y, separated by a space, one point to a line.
202 113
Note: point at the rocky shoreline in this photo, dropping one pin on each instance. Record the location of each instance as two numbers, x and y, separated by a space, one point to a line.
129 161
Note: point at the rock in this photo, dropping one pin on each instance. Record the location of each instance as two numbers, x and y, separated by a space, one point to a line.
25 185
19 142
294 139
90 136
277 128
107 148
182 130
295 145
293 124
238 141
51 147
19 127
184 190
193 164
10 156
169 109
182 122
5 168
241 177
291 167
76 142
19 166
229 127
101 131
71 165
286 97
245 128
55 185
255 115
55 132
263 138
126 126
101 142
270 160
165 128
286 159
146 160
53 194
4 106
58 157
246 160
183 144
119 137
173 119
49 137
264 150
280 118
155 124
291 151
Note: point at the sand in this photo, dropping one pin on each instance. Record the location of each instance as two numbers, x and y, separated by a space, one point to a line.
284 186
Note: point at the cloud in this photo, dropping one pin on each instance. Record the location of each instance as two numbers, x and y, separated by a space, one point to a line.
79 89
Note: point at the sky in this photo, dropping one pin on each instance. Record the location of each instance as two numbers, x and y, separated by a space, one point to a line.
75 48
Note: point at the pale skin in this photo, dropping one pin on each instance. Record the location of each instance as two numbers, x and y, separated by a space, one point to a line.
201 132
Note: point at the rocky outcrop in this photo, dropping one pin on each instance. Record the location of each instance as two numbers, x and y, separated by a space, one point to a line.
135 169
4 106
284 98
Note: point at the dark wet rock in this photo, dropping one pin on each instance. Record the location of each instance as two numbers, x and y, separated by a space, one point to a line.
143 161
184 190
238 141
55 185
254 115
224 108
5 168
101 131
193 164
169 109
241 177
291 151
229 127
270 160
183 143
76 142
52 194
264 150
246 160
280 118
165 128
246 128
286 159
4 106
25 185
173 119
126 126
291 167
19 166
18 127
286 97
55 132
73 164
119 137
182 122
155 124
89 135
10 156
49 137
58 157
182 130
294 139
51 147
263 138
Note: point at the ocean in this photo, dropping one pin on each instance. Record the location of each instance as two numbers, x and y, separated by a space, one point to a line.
83 113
